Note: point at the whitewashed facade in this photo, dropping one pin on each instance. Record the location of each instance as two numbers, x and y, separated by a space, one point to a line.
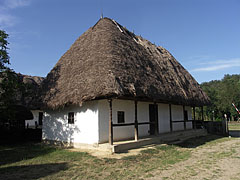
91 121
35 121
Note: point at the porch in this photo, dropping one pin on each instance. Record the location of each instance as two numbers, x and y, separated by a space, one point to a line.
125 145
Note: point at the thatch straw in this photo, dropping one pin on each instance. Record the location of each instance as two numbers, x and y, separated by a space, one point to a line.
30 92
108 61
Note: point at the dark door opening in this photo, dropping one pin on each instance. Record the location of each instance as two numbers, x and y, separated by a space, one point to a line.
153 118
40 118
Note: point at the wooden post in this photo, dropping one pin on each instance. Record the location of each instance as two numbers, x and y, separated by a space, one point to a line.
136 123
156 118
110 123
170 115
184 118
194 118
202 113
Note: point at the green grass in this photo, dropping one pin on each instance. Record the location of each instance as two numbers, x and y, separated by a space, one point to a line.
32 161
37 161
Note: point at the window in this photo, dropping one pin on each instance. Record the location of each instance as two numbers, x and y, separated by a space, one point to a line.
185 115
40 118
71 118
120 116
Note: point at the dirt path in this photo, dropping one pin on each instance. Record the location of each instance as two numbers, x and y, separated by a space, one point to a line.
219 161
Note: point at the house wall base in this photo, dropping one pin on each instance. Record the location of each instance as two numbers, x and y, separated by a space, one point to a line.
123 146
63 144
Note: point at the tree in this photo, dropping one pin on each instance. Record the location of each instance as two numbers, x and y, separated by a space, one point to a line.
222 94
8 80
4 58
10 85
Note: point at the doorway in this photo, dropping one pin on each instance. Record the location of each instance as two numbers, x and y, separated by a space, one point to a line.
153 119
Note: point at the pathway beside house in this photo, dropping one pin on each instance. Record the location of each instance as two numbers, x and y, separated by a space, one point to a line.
218 161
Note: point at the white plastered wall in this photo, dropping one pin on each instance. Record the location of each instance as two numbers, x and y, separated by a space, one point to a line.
85 127
123 132
189 110
92 121
177 115
163 118
119 133
127 132
31 123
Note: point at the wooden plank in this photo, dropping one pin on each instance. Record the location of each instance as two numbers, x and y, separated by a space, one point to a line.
110 138
170 116
136 122
123 124
184 123
132 124
156 118
143 123
181 121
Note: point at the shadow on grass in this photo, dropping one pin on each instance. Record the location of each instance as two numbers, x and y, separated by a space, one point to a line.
198 141
17 152
31 171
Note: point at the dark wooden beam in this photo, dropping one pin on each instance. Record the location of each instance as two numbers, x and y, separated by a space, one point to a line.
156 118
123 124
185 127
170 116
202 113
110 138
136 122
143 123
181 121
132 124
194 118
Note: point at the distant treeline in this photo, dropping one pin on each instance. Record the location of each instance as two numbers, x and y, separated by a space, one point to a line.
222 94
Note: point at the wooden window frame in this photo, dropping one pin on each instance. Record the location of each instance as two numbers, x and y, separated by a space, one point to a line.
120 117
71 118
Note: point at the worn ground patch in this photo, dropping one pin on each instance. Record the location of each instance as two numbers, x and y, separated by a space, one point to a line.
218 160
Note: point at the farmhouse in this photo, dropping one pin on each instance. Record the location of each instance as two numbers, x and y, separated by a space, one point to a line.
114 85
23 109
29 98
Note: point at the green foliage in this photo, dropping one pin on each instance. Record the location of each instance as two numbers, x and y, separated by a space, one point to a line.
222 94
4 58
9 87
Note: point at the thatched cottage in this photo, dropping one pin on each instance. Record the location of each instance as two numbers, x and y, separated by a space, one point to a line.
23 107
114 85
30 99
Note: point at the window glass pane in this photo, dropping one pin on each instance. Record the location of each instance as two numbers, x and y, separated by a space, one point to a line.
71 118
120 115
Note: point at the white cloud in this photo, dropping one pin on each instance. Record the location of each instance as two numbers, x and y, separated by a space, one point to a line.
11 4
6 19
218 65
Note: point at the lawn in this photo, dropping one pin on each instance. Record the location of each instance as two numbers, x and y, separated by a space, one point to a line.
38 161
32 161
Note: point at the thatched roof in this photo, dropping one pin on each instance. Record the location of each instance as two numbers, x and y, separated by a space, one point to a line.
30 96
108 61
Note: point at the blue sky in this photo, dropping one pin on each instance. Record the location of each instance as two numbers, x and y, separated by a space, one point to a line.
203 35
